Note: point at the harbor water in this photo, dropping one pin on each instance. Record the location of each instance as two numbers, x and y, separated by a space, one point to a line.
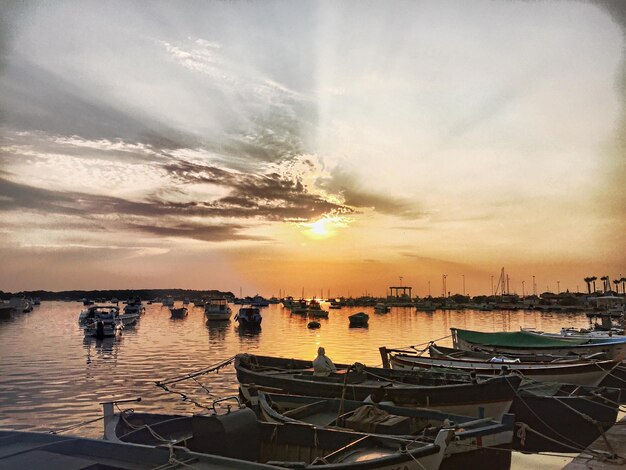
52 377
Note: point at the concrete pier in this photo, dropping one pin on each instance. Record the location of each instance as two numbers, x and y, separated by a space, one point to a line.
616 448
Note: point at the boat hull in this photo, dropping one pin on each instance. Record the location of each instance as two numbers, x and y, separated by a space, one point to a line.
561 423
492 397
584 373
278 444
472 444
505 343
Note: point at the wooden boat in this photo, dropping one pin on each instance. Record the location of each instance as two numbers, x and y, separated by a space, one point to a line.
563 413
217 309
180 312
524 341
314 325
562 417
435 350
578 372
239 435
358 319
483 444
33 450
452 393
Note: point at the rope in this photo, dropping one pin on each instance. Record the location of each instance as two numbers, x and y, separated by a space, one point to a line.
173 462
414 346
214 367
74 426
523 428
542 421
415 460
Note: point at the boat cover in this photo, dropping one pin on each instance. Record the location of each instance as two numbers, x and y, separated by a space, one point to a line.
514 339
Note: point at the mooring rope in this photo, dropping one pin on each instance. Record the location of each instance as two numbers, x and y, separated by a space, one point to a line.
75 426
212 368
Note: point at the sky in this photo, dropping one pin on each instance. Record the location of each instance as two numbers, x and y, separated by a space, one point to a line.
280 147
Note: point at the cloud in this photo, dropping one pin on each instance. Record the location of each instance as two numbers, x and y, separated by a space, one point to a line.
207 233
354 195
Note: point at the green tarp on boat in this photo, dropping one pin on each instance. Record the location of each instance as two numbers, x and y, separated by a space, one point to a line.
514 339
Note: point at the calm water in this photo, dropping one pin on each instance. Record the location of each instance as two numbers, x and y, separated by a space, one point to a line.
52 377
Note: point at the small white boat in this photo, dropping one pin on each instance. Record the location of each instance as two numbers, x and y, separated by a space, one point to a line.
89 314
186 301
20 304
217 309
103 325
178 312
168 301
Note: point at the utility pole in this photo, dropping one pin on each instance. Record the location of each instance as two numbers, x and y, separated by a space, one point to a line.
534 286
444 285
429 289
492 285
558 287
463 283
523 292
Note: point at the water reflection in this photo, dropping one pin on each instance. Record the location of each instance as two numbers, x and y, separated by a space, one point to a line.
217 329
103 348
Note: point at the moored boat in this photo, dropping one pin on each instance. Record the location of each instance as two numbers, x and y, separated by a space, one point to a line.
300 307
217 309
589 372
478 443
316 311
526 342
249 317
381 307
180 312
103 324
360 319
452 393
239 435
134 306
92 312
34 450
5 310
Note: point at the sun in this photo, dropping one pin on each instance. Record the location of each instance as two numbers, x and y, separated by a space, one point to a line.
320 228
324 227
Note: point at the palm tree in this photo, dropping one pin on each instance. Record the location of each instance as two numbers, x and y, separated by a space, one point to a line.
588 282
623 280
605 283
616 282
594 279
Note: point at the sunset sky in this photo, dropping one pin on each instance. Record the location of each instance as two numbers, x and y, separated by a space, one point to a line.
277 145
